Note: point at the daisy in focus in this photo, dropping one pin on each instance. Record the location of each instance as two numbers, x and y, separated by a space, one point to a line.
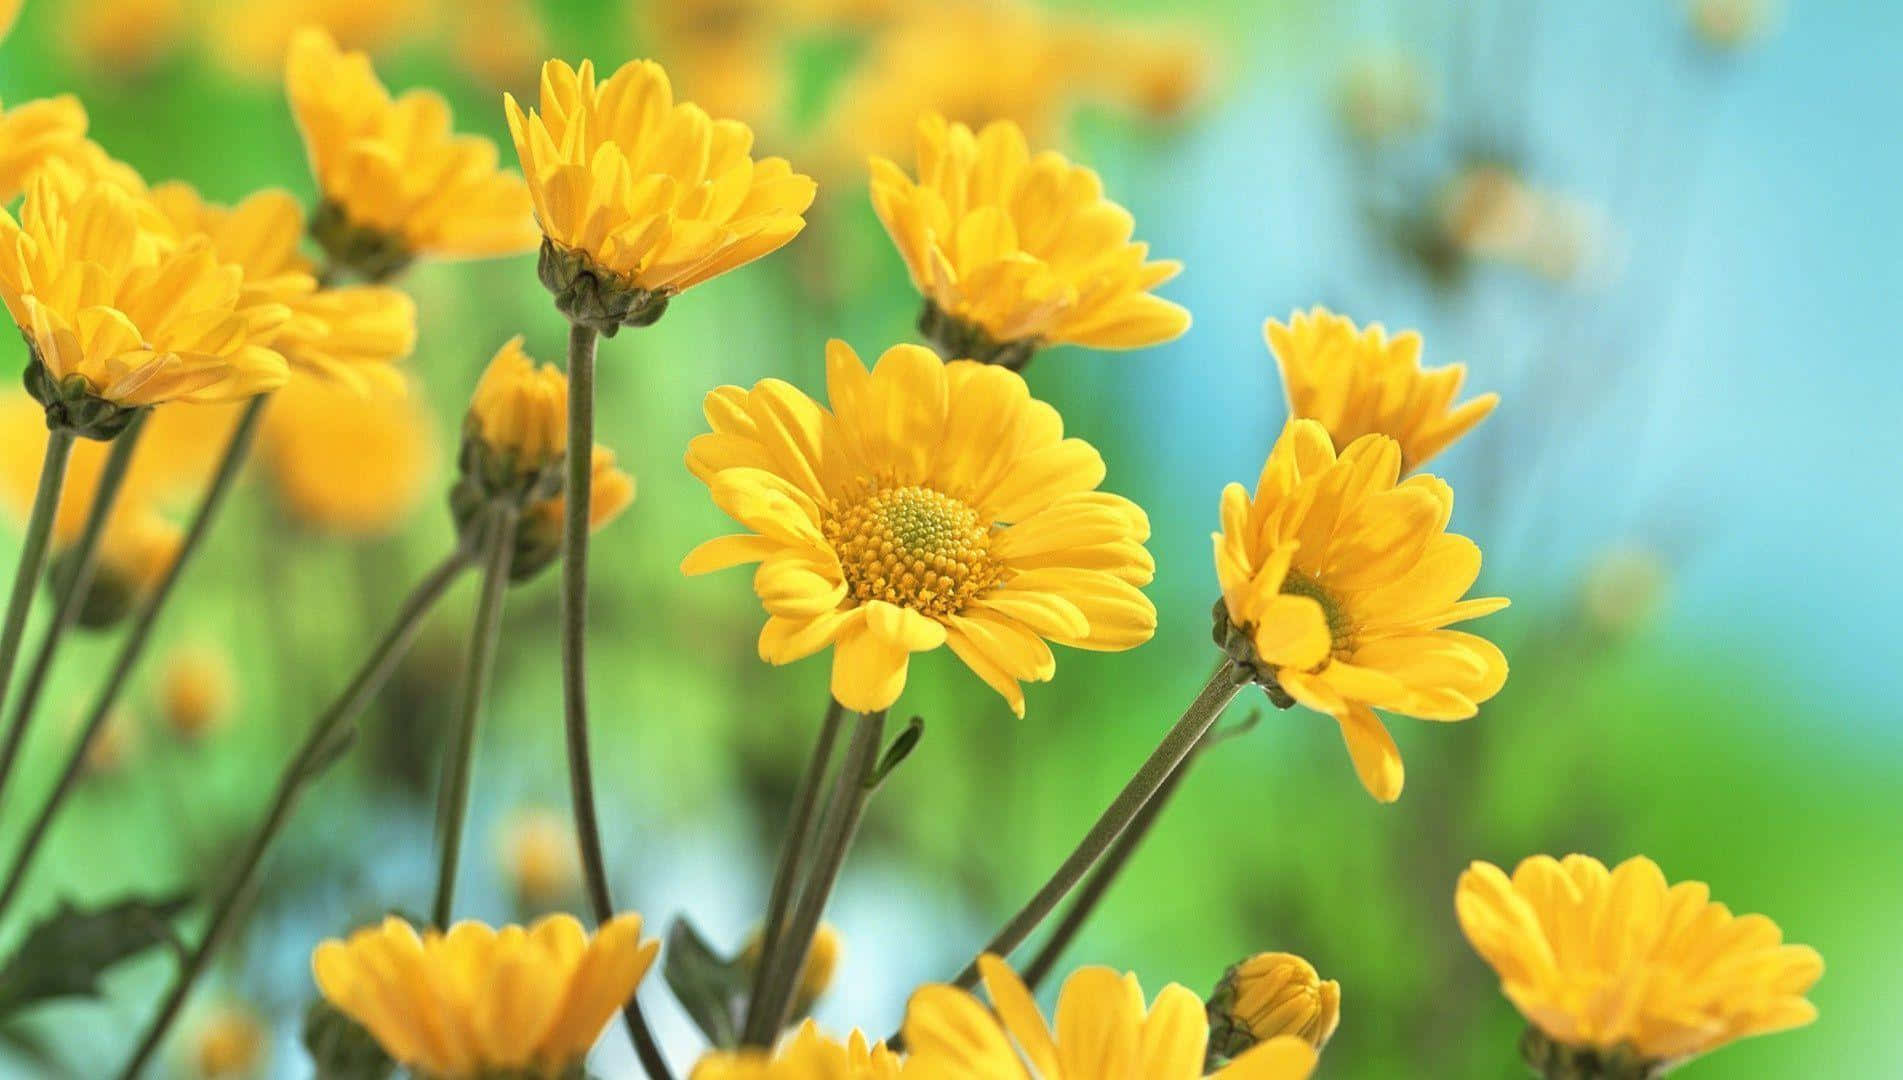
932 504
807 1055
1338 582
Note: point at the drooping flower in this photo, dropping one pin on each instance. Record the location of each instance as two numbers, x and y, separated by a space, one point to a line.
396 181
1270 995
641 197
33 134
1014 252
933 504
476 1002
807 1055
1361 382
1338 580
348 463
1619 966
1104 1032
195 691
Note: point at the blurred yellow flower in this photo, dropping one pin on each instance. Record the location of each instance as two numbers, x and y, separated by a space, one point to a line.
520 411
195 691
9 11
251 38
935 504
538 537
540 857
1014 252
113 745
640 197
1162 70
728 56
396 181
125 37
1270 995
229 1042
1360 382
822 962
499 42
348 463
1620 962
1104 1032
1730 24
1337 582
808 1055
34 133
475 1002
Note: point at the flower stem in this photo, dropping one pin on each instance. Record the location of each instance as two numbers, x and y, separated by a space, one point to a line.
327 739
799 830
69 602
484 635
1155 771
236 450
39 529
851 789
576 495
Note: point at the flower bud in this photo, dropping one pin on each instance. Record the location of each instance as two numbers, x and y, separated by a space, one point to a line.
515 436
822 960
1268 995
195 692
540 857
228 1043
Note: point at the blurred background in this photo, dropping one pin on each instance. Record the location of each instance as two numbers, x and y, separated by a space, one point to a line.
1664 231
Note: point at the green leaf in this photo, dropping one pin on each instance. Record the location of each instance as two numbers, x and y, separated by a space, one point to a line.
708 987
896 753
65 954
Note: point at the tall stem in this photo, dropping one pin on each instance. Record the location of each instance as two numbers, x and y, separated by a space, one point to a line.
484 635
576 496
85 556
320 748
1216 694
799 829
767 1016
236 450
39 529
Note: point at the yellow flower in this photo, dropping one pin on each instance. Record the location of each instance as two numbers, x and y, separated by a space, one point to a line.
348 463
1270 995
1104 1032
251 37
935 504
1016 252
195 691
538 537
125 37
540 857
499 41
808 1055
1618 961
34 133
730 56
1360 382
228 1043
475 1001
822 961
1337 582
520 411
396 181
642 198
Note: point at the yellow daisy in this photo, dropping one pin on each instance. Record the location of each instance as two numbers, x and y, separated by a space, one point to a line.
933 504
1360 382
475 1002
1104 1032
34 133
396 181
1337 583
1270 995
1014 252
807 1055
1618 965
640 197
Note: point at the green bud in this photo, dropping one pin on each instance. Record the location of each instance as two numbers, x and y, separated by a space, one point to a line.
1239 646
956 339
598 299
1554 1060
71 405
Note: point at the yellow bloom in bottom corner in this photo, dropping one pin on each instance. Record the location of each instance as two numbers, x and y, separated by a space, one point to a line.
1621 961
478 1001
1104 1032
808 1055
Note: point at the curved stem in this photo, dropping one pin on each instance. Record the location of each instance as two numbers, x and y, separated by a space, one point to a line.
39 529
326 740
72 597
484 635
851 789
134 646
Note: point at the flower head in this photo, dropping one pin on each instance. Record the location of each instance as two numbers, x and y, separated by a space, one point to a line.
35 133
1013 252
344 462
933 504
476 1001
396 181
1620 962
1104 1032
1270 995
540 857
538 537
1360 382
641 197
195 691
808 1055
1337 584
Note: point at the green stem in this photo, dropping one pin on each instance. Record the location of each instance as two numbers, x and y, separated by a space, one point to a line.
327 739
70 601
576 495
134 646
39 529
851 789
799 829
484 636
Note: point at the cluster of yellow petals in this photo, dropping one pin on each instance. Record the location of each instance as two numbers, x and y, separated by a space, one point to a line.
476 1002
1280 993
1620 959
520 409
652 191
35 133
395 166
1345 578
1361 382
872 520
807 1055
348 463
1025 248
1104 1031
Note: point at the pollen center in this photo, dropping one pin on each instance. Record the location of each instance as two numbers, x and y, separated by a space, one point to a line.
914 547
1341 627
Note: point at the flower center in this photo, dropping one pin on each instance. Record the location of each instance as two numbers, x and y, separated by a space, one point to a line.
913 547
1341 626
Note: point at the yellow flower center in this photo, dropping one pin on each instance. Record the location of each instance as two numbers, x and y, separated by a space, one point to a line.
913 547
1341 626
